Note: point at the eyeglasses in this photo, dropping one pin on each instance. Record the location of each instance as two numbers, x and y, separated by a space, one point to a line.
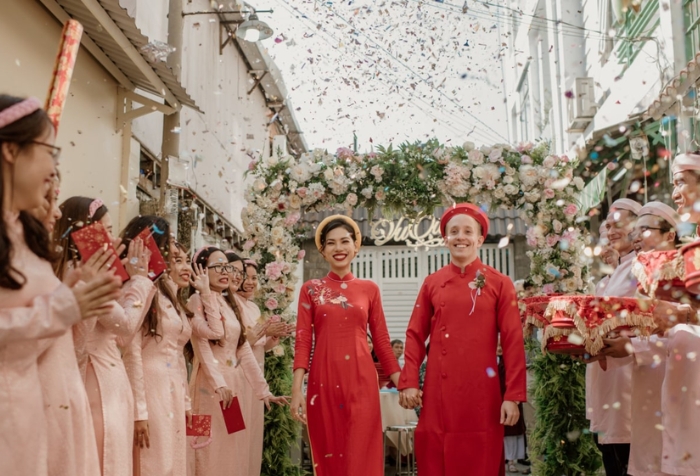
642 230
236 272
221 268
55 151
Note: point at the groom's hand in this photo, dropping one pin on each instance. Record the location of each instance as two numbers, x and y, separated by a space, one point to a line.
411 398
509 413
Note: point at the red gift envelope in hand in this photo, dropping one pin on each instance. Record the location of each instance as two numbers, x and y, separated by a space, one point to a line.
90 239
233 416
201 426
156 264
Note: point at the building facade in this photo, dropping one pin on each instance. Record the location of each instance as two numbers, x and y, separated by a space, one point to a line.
166 106
583 75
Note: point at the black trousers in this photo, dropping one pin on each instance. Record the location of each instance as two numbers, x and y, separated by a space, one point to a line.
616 457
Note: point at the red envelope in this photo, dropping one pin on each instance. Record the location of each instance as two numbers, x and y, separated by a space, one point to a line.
201 426
233 416
90 239
156 265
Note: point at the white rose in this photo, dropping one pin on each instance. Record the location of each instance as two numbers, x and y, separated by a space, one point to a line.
468 146
272 160
499 193
510 189
328 174
549 162
507 179
486 150
295 201
278 351
557 226
495 155
476 157
259 185
351 199
579 183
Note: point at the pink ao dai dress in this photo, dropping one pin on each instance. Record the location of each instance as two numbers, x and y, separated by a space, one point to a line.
255 408
680 397
106 381
156 369
609 392
43 420
223 364
647 379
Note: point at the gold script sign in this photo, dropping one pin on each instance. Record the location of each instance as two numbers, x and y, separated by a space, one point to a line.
408 231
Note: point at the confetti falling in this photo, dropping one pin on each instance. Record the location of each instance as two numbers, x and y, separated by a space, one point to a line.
342 59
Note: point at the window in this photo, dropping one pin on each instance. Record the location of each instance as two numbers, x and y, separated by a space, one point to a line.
691 19
634 29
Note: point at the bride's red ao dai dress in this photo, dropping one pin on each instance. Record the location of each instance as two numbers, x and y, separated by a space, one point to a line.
344 418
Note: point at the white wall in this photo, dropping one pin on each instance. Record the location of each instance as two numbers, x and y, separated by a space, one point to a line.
91 158
558 57
233 122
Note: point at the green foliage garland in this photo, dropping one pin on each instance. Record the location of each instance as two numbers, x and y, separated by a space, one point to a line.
560 439
280 429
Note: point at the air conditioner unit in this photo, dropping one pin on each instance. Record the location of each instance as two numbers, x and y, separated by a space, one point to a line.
582 105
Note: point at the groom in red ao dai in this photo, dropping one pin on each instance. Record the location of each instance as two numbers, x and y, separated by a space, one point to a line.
462 309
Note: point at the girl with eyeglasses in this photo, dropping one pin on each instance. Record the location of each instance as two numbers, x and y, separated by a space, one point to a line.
98 341
45 418
156 366
227 366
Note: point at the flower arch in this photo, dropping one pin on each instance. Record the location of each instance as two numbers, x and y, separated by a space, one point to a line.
413 180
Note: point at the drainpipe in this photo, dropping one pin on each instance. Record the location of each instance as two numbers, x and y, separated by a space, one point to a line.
171 122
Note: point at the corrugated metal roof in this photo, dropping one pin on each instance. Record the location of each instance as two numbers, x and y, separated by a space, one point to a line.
99 34
498 221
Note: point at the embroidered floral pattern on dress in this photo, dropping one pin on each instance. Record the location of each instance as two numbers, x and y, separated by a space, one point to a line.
322 294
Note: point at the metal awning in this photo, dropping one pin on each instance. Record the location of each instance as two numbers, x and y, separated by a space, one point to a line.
675 88
113 38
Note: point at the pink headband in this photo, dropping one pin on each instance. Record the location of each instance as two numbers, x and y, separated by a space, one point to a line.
250 261
626 204
94 206
661 210
18 111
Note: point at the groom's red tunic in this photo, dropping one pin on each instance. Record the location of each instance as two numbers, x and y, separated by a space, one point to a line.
459 431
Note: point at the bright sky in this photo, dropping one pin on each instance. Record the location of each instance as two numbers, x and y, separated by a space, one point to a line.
392 71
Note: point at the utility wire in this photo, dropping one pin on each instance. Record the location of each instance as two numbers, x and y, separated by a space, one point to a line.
407 67
484 136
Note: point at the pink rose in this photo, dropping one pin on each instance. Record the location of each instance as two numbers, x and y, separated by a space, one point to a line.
248 245
552 240
548 193
548 288
564 158
271 304
292 219
526 159
525 147
301 191
279 288
344 153
276 318
252 164
301 254
570 209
